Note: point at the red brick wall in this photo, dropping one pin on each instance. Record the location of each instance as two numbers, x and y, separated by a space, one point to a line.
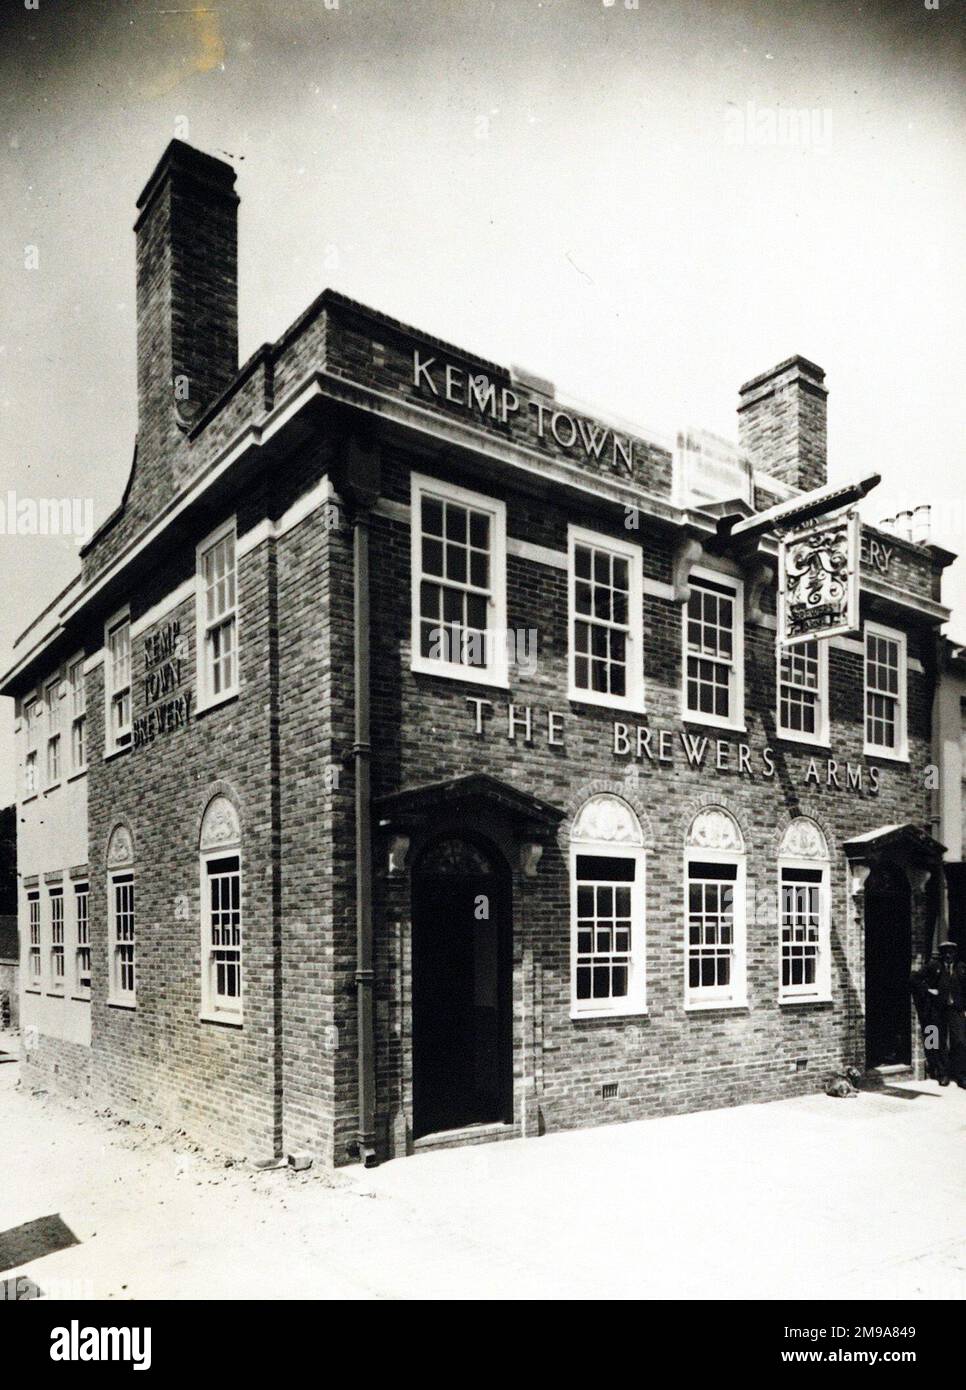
783 423
671 1060
287 1079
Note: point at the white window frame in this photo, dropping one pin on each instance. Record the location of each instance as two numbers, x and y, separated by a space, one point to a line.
635 1001
217 1008
121 744
820 738
900 753
736 687
82 990
31 756
821 991
736 997
633 699
54 741
207 697
35 948
57 949
77 696
495 670
125 998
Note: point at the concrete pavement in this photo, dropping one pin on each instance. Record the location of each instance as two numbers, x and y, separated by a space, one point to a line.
806 1198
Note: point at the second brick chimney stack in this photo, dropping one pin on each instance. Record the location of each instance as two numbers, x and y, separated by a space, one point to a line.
187 297
782 418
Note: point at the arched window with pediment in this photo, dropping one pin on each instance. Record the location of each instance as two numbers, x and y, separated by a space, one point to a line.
607 909
122 980
221 913
715 971
804 912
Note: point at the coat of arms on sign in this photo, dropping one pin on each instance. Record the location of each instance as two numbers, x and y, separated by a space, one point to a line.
819 585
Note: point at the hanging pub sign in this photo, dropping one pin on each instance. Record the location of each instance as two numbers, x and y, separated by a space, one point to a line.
818 585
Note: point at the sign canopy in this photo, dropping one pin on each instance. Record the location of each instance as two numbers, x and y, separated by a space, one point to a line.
818 583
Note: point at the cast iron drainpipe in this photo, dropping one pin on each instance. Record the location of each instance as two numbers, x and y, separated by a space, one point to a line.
361 755
940 928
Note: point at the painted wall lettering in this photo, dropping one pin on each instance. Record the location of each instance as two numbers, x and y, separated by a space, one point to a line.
876 553
524 726
477 393
163 674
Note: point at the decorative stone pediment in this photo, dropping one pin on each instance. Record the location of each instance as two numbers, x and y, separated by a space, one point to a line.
606 820
903 841
715 828
803 839
120 848
220 828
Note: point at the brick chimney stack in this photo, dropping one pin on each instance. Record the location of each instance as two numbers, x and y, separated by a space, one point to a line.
782 419
187 298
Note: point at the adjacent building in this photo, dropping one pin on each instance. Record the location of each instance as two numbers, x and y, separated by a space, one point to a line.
9 947
950 783
412 762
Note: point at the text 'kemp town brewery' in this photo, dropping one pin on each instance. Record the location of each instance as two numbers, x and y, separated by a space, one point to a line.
412 760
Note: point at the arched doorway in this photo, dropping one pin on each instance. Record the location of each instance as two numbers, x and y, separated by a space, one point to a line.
462 1006
888 965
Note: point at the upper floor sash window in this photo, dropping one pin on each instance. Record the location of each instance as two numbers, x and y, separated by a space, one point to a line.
885 692
458 583
606 620
217 616
77 696
31 724
803 692
53 697
117 683
714 651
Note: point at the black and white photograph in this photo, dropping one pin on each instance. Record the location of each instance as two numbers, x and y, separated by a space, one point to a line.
483 667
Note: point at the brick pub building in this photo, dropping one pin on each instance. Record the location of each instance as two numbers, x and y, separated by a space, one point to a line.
411 761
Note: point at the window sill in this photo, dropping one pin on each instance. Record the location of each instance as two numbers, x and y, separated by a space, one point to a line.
226 1020
707 721
803 740
886 754
55 994
52 788
617 706
116 752
795 1000
577 1016
33 989
81 772
718 1006
469 675
216 703
31 796
121 1004
80 998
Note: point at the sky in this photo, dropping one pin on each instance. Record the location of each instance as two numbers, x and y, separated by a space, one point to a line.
609 195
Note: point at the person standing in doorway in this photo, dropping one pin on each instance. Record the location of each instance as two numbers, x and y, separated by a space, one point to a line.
941 1003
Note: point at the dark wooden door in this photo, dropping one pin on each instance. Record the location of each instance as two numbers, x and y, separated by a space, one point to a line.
461 993
888 965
